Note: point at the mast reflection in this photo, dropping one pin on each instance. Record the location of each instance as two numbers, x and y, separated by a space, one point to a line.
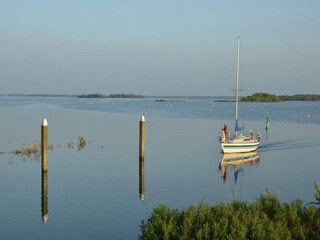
44 196
141 179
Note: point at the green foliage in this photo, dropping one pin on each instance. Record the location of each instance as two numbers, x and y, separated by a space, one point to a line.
262 97
266 218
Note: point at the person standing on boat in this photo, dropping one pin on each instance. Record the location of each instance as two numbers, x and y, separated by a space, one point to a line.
225 130
251 134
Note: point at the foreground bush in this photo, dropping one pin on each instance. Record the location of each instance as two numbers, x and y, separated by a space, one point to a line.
266 218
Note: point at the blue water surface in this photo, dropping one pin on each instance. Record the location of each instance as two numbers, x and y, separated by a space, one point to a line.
94 193
183 107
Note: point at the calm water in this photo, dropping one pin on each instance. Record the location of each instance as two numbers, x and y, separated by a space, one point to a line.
94 193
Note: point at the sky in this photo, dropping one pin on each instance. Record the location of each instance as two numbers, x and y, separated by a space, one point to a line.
167 47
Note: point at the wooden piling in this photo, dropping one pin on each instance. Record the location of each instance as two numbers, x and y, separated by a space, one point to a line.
44 145
142 137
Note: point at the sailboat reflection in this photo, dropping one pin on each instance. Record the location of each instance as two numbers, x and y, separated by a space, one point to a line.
141 179
44 196
236 162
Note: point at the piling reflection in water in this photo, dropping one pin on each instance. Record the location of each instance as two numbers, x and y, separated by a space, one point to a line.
267 133
44 196
141 179
44 172
237 162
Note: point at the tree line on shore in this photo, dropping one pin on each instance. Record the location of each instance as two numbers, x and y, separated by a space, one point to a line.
266 97
91 95
117 95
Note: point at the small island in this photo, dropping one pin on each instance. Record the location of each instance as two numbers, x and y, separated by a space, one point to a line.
265 97
125 95
93 95
262 97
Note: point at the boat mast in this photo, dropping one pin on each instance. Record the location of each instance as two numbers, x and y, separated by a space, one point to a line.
237 77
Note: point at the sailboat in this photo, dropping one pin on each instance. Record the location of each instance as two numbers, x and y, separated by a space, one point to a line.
239 143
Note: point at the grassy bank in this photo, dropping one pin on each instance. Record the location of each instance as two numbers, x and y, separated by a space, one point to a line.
266 218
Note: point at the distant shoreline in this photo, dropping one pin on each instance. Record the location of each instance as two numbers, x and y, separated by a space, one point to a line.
36 95
94 95
257 97
266 97
224 100
117 95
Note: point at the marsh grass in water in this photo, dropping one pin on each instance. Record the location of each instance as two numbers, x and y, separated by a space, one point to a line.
266 218
81 142
31 150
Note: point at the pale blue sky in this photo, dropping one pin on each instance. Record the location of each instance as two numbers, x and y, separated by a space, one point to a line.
163 47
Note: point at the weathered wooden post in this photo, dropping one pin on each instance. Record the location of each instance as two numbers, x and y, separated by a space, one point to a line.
44 145
142 137
44 196
44 172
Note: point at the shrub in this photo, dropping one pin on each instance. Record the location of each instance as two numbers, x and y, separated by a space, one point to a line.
266 218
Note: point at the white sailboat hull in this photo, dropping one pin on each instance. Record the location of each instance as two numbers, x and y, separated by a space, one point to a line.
235 146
